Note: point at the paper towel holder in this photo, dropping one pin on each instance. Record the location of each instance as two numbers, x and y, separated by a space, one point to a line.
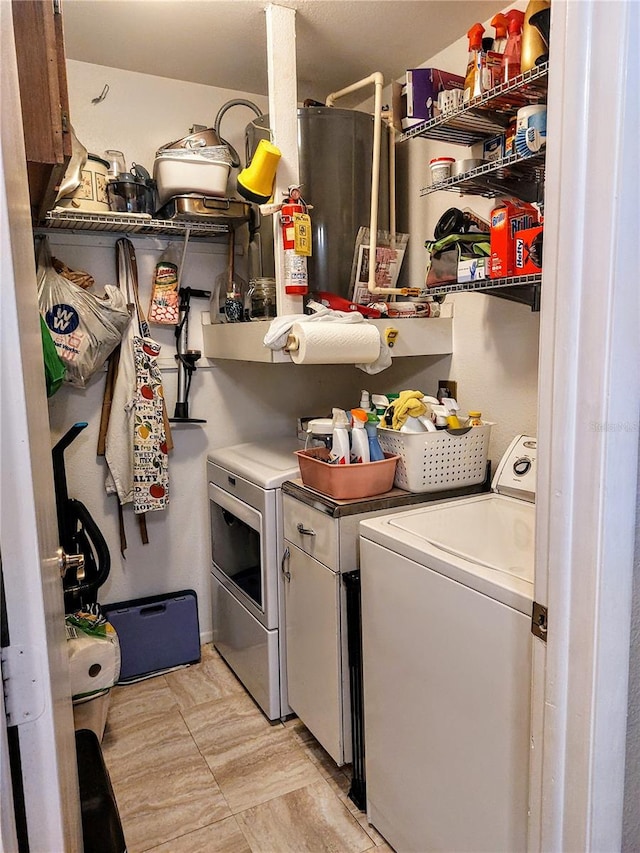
292 344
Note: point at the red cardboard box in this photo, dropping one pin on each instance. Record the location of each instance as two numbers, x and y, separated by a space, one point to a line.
506 219
529 251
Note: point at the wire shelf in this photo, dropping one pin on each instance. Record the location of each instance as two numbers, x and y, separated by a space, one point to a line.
520 288
511 175
487 114
75 220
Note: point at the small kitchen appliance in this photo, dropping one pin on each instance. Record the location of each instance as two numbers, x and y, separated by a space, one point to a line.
185 170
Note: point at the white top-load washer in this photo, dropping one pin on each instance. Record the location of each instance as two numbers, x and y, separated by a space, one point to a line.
447 592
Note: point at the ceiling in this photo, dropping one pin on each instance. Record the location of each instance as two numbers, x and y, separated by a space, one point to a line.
223 42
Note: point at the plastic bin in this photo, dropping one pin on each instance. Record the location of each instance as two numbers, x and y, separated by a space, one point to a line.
346 482
156 633
436 461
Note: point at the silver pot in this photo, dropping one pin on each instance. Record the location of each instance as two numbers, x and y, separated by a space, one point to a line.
461 167
202 139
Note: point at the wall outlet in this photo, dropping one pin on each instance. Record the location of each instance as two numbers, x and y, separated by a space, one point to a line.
452 387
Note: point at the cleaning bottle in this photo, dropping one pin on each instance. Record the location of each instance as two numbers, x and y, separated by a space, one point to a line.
499 23
473 78
365 401
495 55
359 440
380 403
375 451
513 48
533 44
340 451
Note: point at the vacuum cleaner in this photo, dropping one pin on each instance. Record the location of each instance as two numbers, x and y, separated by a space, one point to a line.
78 534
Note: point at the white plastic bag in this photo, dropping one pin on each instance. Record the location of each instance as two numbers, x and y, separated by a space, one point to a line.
84 328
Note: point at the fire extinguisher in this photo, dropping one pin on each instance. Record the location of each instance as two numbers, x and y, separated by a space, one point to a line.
296 242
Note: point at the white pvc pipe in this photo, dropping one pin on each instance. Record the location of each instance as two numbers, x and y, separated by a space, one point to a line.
392 184
377 80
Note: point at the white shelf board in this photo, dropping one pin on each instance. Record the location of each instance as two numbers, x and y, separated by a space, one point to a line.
244 341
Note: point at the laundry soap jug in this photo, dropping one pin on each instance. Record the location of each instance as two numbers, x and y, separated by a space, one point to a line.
534 46
359 440
340 450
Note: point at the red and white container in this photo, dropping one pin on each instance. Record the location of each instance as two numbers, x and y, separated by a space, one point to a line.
440 168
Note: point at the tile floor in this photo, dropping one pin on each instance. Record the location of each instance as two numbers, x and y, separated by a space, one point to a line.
197 768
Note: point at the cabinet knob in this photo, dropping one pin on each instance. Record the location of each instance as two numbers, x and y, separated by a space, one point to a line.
304 531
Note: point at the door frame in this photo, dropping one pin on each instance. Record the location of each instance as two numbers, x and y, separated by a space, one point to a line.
40 704
588 404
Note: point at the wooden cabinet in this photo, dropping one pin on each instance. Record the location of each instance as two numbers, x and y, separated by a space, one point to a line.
43 93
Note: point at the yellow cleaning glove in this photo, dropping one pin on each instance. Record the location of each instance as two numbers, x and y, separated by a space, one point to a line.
409 403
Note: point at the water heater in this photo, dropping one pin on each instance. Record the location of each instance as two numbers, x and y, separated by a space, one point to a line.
335 150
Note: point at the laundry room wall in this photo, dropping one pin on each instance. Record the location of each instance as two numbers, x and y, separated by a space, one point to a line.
240 401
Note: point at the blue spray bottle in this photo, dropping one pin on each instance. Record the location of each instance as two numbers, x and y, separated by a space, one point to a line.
371 426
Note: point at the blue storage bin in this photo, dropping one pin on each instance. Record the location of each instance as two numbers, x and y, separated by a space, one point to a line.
156 633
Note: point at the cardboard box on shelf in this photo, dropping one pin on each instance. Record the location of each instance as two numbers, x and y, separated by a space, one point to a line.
528 251
420 92
506 219
472 269
493 149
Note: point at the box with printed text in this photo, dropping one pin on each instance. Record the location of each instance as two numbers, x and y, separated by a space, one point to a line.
506 219
421 90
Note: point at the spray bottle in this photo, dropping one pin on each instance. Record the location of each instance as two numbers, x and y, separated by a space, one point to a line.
340 452
473 78
365 401
380 404
376 454
359 440
513 48
499 22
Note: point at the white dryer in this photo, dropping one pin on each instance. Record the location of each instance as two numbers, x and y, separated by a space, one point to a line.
447 592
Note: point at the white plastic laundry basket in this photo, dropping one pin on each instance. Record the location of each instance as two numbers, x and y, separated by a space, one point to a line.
435 461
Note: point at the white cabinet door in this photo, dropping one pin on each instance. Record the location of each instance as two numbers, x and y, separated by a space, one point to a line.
314 659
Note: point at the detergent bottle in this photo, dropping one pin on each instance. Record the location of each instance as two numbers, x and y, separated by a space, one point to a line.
359 440
375 451
473 78
340 451
513 49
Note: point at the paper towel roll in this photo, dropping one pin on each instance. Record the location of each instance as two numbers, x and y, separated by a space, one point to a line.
335 343
94 664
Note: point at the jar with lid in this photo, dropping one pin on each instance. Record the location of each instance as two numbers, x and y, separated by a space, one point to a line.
475 419
263 298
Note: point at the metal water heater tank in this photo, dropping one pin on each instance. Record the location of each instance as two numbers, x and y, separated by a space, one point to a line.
335 150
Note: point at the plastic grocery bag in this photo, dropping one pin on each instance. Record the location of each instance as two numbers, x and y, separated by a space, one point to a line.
84 328
54 369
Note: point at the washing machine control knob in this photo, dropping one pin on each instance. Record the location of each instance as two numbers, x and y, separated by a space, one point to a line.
522 466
